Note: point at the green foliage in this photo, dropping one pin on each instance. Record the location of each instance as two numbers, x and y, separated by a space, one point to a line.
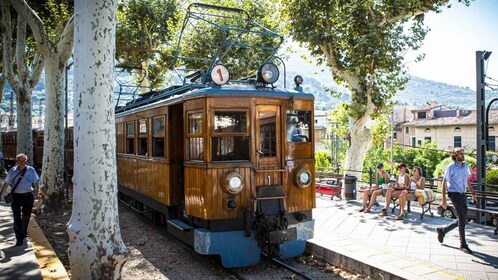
322 160
202 39
429 157
363 42
54 14
339 116
425 156
143 33
441 167
492 179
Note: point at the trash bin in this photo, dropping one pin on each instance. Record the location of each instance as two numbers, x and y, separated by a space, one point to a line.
348 187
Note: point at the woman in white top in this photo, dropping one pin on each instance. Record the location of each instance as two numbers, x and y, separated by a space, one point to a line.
417 181
401 184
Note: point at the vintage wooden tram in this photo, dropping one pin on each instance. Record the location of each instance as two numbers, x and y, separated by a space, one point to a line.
222 162
219 162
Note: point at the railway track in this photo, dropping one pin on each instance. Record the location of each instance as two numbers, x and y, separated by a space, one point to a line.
268 268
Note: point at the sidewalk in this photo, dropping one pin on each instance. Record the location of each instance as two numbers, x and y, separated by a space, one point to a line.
34 260
387 249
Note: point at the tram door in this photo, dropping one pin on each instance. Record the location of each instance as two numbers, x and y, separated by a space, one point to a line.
269 171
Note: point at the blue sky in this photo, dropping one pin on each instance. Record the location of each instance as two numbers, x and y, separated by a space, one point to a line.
456 34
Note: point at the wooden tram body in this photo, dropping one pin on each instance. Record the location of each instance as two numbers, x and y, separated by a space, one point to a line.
174 156
9 148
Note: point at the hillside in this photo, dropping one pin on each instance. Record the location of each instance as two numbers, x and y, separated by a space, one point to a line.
327 94
418 92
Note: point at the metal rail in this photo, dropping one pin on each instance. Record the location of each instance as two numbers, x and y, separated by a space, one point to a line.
288 267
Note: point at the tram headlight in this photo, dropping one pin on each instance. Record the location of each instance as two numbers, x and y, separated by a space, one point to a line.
233 182
268 73
303 178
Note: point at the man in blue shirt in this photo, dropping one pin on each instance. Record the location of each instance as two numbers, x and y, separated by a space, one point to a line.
455 183
23 177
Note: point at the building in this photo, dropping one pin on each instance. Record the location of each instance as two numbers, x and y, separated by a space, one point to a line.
321 132
448 128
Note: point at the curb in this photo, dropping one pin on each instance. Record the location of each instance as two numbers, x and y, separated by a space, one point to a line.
50 265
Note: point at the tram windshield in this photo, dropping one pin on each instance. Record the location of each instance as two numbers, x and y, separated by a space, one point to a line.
230 140
298 126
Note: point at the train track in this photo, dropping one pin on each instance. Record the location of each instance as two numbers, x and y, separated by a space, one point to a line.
265 267
288 267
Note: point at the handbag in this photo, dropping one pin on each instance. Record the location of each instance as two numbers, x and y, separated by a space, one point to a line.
9 198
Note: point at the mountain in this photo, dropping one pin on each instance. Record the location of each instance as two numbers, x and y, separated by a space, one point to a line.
418 92
319 82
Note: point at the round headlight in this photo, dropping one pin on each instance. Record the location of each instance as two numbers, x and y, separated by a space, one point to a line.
303 178
268 73
233 183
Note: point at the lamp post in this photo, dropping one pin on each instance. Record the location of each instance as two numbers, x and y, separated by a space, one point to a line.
40 112
481 125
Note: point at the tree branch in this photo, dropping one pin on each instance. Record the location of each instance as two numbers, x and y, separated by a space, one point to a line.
35 23
409 14
66 41
37 69
6 28
22 68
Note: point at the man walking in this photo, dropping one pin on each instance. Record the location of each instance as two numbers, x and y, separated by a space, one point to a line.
455 182
21 178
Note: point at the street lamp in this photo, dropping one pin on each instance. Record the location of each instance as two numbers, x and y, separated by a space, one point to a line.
40 112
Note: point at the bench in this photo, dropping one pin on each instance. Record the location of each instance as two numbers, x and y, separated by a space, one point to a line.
493 213
425 203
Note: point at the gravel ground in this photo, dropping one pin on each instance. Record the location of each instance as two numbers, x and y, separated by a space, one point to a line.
155 254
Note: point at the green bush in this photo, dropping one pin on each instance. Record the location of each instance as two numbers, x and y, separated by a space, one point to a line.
492 179
439 170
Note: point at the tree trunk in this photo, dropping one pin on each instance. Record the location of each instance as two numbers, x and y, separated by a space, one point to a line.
96 250
53 149
361 142
24 126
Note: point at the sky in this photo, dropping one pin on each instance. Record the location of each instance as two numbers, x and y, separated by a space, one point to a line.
450 47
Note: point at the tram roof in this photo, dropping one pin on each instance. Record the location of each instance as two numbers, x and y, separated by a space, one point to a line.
179 94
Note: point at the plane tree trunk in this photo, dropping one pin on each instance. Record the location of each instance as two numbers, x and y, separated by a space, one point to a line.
96 250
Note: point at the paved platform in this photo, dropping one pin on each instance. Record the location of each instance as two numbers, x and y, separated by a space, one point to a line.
34 260
383 248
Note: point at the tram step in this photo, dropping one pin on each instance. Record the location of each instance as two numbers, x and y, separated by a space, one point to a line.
180 225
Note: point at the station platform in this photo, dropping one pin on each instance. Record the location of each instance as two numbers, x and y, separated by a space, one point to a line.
375 246
384 248
34 260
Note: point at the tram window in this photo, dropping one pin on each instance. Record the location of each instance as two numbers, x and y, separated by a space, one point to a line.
130 137
142 125
230 122
158 137
230 148
195 148
298 126
230 141
195 123
142 138
267 134
142 146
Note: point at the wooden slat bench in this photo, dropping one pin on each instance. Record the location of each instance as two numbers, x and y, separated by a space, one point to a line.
493 213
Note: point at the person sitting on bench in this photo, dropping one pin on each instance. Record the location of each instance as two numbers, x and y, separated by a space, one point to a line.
381 179
417 181
402 183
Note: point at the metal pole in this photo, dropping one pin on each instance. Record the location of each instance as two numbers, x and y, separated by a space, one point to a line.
11 119
481 127
392 146
285 74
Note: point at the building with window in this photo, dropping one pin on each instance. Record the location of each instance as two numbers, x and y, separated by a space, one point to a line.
448 128
321 131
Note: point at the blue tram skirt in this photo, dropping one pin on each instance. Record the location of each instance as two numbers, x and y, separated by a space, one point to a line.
237 250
